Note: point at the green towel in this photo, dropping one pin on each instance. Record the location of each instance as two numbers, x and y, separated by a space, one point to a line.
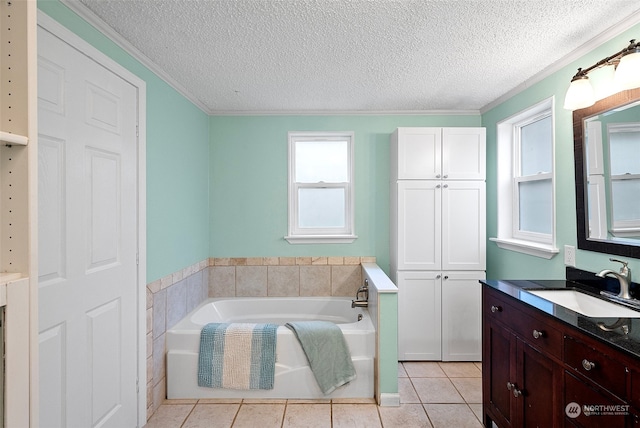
326 351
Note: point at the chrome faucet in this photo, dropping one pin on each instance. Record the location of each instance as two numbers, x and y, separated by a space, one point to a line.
624 278
362 303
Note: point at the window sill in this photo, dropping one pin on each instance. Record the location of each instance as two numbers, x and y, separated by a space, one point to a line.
321 239
545 251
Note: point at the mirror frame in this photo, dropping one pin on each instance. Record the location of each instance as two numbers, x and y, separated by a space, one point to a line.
609 247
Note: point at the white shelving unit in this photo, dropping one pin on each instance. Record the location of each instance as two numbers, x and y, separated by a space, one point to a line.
18 212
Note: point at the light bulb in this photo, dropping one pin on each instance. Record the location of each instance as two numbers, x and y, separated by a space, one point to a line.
628 72
580 94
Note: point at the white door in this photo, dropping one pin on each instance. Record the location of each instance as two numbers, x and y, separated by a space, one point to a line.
462 316
464 225
87 240
464 153
419 153
419 316
419 220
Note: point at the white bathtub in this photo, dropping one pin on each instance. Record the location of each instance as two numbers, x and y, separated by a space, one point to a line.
293 377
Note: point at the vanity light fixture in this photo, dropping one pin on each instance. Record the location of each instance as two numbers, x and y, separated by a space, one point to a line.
627 76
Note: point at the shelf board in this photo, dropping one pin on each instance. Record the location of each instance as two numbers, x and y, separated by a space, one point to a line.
8 138
6 277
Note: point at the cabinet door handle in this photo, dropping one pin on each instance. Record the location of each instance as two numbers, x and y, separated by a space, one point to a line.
438 186
588 365
437 175
495 309
445 176
512 387
445 186
446 277
537 334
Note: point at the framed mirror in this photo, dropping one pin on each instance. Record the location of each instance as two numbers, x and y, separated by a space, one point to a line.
607 173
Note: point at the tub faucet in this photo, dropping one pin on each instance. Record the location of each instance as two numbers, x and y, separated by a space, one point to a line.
362 303
624 278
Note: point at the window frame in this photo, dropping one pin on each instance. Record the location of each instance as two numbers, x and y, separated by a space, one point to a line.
510 237
620 228
518 178
299 235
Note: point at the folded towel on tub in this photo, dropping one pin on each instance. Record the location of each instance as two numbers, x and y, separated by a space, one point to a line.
237 356
327 352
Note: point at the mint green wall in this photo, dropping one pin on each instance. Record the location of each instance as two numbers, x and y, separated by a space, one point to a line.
248 191
504 264
177 159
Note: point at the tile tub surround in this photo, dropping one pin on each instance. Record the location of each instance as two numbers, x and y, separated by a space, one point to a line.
170 298
285 276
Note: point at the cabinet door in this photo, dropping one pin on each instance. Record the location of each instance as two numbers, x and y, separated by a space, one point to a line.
462 316
464 153
498 369
464 225
419 316
419 219
419 153
536 388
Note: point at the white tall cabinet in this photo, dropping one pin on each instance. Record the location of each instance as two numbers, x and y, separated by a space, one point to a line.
438 240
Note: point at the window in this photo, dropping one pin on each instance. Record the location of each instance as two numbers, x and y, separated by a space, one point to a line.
526 207
321 187
624 172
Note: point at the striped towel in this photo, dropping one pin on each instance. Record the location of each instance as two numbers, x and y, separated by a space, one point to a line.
237 356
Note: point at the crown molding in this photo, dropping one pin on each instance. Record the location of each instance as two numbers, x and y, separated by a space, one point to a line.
85 13
583 50
349 113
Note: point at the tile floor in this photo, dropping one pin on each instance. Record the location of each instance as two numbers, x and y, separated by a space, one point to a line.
432 394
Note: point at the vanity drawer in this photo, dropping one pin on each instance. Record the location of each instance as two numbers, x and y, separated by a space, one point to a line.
579 393
538 334
596 366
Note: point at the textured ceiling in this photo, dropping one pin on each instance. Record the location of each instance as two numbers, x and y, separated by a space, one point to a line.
355 55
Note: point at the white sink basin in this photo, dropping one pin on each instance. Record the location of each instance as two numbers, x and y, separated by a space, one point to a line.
585 304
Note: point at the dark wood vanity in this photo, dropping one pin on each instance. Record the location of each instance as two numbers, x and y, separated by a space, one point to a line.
542 363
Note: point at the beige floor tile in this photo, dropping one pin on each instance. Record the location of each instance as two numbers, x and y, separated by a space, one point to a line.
212 416
170 416
407 392
307 415
451 415
259 415
354 401
310 401
405 416
220 401
355 416
423 369
401 371
476 408
469 387
461 369
479 366
181 401
436 390
263 401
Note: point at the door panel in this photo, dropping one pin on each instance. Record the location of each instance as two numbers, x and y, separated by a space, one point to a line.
87 207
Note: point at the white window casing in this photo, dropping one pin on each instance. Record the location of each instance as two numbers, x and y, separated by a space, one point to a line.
515 232
321 187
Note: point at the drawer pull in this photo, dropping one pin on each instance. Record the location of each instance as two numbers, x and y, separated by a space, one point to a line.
537 334
588 365
510 386
495 309
516 392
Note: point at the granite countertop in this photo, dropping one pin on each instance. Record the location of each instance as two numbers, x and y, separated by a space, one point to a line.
627 343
